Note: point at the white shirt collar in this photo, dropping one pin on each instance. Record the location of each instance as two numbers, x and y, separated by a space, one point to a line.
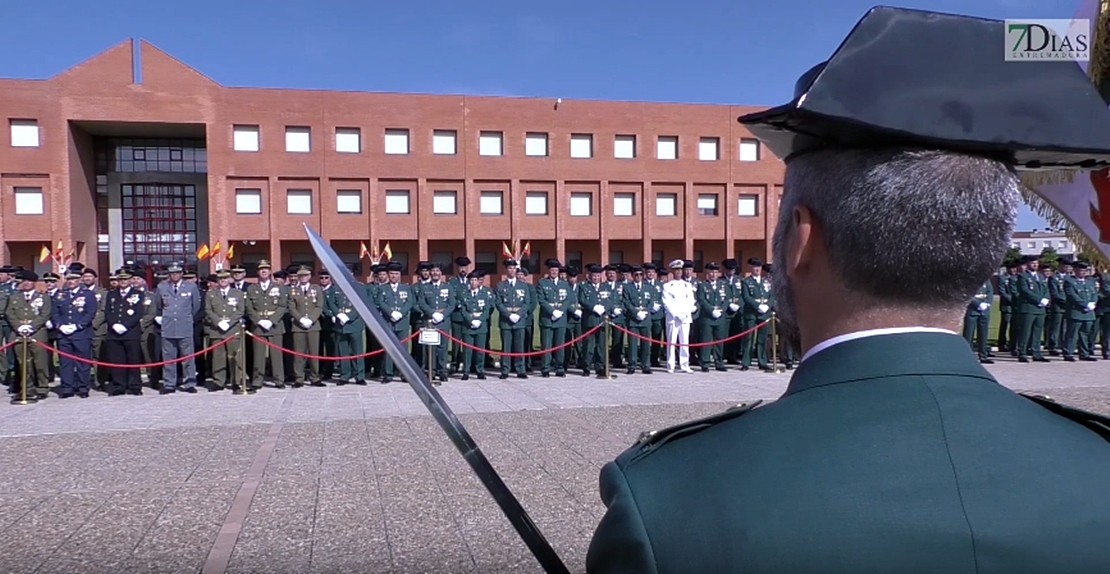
869 333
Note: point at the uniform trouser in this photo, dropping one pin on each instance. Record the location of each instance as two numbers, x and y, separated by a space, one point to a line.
125 352
1029 336
152 353
173 349
1053 326
713 331
758 342
734 348
658 334
418 353
594 350
1081 334
1105 337
439 356
528 346
639 350
204 361
553 337
328 347
227 361
575 355
512 341
616 344
473 357
787 350
486 345
287 358
306 343
401 331
458 328
100 354
678 335
1004 339
51 366
349 345
264 352
36 367
247 360
7 357
73 373
976 329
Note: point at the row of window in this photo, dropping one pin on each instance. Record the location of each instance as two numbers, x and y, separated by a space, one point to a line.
445 202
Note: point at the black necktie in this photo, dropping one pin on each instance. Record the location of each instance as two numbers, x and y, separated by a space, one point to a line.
175 289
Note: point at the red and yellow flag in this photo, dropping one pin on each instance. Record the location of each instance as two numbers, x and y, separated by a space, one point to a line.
202 252
44 254
362 251
387 251
230 251
215 250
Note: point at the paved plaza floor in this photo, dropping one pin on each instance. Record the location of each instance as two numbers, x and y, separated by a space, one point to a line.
352 478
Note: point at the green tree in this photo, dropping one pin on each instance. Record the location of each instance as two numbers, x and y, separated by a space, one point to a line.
1049 257
1013 255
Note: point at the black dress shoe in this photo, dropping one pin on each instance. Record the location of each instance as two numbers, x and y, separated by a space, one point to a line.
190 390
361 382
585 372
743 367
1023 360
545 374
1042 360
560 373
1089 359
503 376
386 380
521 376
1069 359
986 361
704 369
630 371
646 371
84 395
164 392
722 369
299 385
481 376
466 377
318 384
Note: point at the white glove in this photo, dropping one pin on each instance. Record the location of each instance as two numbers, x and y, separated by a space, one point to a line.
1044 303
984 306
513 317
1090 306
306 322
223 325
600 310
68 329
733 307
764 308
396 316
26 330
49 324
343 318
578 313
617 311
556 315
266 324
119 329
656 307
476 323
641 315
158 320
716 313
437 317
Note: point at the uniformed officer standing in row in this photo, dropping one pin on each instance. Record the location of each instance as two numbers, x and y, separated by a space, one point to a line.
1080 303
27 312
306 305
224 310
595 300
50 281
123 310
459 284
641 300
715 304
347 327
553 296
1031 300
437 303
476 304
575 355
395 302
267 304
513 305
977 320
757 309
72 311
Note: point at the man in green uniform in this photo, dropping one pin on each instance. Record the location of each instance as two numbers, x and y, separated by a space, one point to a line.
416 316
458 284
713 301
267 304
224 309
89 277
1031 301
329 335
747 342
476 302
1056 310
151 332
595 299
785 349
395 300
306 305
616 336
658 314
347 327
437 303
977 320
757 309
513 303
27 312
575 355
1005 308
640 299
1104 311
1081 300
529 319
553 295
286 280
730 274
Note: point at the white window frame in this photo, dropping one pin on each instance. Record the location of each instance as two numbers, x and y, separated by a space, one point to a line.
624 204
752 202
348 201
535 144
662 199
491 143
397 141
666 147
581 146
532 200
298 201
248 201
491 202
749 149
298 139
348 140
709 149
624 146
703 203
445 202
445 142
29 200
393 197
578 199
25 133
246 137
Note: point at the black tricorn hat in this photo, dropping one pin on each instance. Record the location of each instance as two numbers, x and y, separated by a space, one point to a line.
882 88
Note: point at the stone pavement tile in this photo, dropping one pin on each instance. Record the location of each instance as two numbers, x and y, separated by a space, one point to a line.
180 537
13 507
277 533
423 534
43 531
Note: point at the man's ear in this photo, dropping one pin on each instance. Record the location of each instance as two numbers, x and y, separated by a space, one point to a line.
805 243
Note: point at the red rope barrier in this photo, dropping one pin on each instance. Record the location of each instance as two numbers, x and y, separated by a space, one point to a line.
323 358
701 344
80 359
526 353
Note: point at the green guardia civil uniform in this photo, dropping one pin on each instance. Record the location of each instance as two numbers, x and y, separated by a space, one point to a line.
267 302
554 299
977 320
639 300
1104 313
458 286
530 321
734 349
34 311
617 319
1081 301
306 302
1005 310
575 353
395 302
477 308
658 317
7 357
513 298
416 321
713 298
756 295
593 298
223 314
1030 304
99 377
348 327
1056 313
438 299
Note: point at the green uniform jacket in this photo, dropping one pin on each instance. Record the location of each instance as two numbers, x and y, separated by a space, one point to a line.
336 302
757 292
512 300
99 327
1029 291
271 304
616 289
657 299
35 313
573 304
736 293
894 453
984 295
150 310
217 307
713 296
437 298
477 306
1056 293
1079 293
1104 294
589 297
458 287
302 304
400 301
636 299
553 295
1005 291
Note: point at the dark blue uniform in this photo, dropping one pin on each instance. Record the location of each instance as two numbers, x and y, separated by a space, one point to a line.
124 348
72 313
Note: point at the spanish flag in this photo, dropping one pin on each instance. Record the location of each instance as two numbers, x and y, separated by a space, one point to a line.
60 250
230 251
44 254
508 253
388 252
215 250
527 250
202 252
362 251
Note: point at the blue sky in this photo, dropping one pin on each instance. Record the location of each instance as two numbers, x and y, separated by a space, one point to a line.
712 51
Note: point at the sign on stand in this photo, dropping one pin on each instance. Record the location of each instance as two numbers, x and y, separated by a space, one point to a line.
429 337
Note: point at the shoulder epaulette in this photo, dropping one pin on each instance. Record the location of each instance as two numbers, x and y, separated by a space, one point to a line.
1098 423
650 441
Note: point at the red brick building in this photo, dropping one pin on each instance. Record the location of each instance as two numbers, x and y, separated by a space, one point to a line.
134 156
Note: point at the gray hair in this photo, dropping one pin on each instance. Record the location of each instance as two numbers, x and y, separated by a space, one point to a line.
913 228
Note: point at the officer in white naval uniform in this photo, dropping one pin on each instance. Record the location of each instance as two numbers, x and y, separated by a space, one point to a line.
680 303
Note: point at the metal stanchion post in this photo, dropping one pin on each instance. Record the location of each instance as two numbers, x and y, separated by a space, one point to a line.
23 374
429 354
775 346
605 352
241 357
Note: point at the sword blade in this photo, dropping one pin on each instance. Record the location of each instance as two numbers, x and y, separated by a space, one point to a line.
441 412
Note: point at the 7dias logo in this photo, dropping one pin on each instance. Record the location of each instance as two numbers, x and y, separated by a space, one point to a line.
1048 40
